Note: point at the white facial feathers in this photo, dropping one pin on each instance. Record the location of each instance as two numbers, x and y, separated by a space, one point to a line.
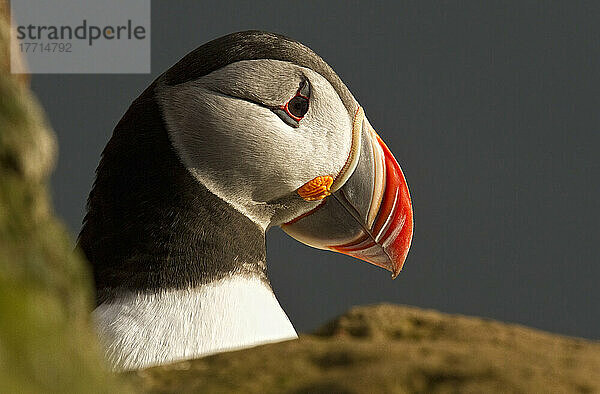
228 138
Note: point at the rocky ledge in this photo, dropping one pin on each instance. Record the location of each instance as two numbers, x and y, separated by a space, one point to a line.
394 349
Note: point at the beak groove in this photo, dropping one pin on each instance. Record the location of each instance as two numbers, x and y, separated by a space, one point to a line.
385 241
370 216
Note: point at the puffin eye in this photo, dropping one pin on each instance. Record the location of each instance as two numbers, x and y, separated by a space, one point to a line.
298 106
294 110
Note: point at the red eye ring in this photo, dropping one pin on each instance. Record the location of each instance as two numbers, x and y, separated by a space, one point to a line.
292 112
304 109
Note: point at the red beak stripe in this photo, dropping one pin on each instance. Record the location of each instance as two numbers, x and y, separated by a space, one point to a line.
389 239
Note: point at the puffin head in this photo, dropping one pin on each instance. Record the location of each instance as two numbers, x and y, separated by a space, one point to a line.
278 135
249 131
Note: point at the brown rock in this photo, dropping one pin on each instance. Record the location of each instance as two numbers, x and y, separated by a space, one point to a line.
395 349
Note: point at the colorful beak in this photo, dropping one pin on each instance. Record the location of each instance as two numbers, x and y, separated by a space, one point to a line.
366 212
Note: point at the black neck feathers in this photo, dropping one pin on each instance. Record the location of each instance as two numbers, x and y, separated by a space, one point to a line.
150 225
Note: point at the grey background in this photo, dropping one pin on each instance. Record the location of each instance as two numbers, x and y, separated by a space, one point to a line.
491 110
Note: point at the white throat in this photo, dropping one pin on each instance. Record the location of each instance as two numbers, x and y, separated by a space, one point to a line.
147 329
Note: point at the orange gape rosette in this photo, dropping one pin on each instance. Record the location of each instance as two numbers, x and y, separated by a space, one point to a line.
316 189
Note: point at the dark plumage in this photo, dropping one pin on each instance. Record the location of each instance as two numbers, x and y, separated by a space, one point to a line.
150 225
253 45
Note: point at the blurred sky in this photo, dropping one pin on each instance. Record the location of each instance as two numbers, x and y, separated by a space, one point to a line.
492 110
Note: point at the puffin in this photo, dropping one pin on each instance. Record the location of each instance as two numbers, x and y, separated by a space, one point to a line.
247 132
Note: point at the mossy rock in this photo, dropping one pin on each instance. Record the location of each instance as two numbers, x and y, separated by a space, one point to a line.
47 344
394 349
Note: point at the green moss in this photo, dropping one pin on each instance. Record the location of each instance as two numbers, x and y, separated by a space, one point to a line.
47 344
